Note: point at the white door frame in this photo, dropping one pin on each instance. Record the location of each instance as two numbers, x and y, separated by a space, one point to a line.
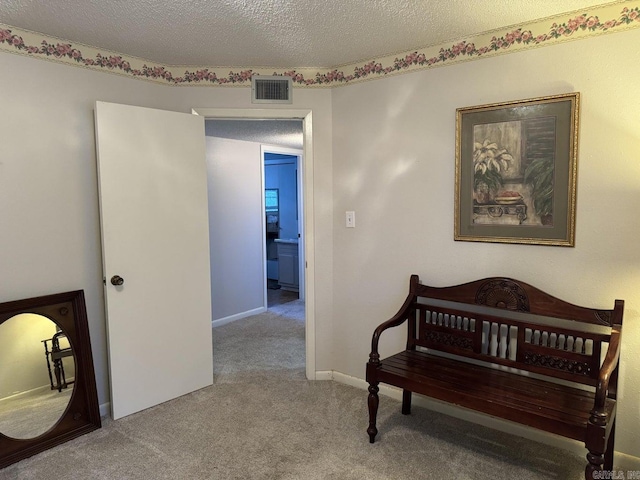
299 154
306 170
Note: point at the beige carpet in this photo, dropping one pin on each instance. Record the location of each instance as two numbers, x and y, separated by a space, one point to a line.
263 420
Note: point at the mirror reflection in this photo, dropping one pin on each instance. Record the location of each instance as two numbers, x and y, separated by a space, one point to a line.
37 374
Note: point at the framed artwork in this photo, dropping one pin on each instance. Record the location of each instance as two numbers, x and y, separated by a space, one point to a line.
516 168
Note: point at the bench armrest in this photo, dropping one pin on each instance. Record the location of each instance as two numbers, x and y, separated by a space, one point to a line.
398 319
598 414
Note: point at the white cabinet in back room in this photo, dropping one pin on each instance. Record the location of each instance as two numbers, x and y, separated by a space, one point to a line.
288 277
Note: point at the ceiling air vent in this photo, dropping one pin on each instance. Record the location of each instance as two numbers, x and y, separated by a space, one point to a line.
267 89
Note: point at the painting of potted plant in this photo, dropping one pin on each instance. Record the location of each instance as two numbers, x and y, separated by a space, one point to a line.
516 170
539 175
489 162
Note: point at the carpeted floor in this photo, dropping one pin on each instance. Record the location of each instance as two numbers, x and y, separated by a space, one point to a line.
263 420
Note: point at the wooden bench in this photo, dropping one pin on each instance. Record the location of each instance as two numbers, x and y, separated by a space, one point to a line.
504 348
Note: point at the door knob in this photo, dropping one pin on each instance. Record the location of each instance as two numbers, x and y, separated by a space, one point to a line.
117 280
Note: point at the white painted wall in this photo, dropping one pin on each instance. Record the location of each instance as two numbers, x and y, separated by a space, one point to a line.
393 150
235 227
49 231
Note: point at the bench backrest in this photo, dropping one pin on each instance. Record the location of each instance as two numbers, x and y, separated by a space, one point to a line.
507 322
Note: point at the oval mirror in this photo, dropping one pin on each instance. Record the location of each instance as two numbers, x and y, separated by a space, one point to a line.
37 367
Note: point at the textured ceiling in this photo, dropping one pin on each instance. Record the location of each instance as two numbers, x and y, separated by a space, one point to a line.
282 133
271 33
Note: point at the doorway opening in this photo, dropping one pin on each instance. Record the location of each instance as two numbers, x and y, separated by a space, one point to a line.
284 240
305 191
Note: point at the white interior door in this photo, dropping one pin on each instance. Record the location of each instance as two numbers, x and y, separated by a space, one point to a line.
155 236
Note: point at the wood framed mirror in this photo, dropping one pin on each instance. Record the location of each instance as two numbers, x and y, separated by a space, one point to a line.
47 382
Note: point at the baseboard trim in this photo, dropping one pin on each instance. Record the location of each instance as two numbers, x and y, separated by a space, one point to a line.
232 318
105 410
324 375
627 463
623 461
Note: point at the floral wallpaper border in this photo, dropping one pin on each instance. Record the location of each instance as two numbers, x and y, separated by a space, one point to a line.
610 18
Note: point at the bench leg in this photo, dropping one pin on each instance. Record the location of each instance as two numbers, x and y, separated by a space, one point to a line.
597 459
406 402
59 372
373 411
599 453
594 467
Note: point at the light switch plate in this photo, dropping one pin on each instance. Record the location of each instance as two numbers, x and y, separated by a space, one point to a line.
350 218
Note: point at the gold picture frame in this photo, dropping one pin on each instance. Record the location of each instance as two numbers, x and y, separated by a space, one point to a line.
516 169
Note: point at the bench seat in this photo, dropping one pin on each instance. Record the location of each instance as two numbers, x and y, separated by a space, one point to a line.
538 403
